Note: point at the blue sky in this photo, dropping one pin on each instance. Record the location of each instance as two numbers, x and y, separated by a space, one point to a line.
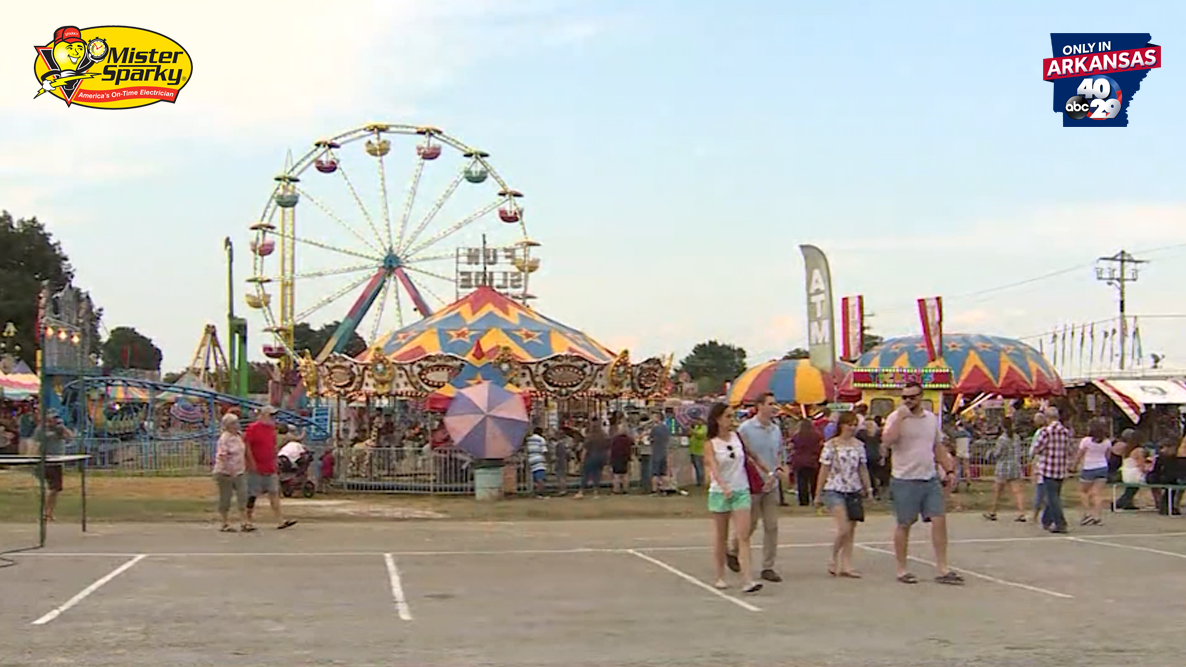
674 155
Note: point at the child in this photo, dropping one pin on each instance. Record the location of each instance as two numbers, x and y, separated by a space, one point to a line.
327 469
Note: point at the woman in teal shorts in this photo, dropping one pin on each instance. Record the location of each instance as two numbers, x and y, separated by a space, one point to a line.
728 494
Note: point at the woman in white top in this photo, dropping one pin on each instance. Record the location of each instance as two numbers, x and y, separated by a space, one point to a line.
843 481
1092 462
728 494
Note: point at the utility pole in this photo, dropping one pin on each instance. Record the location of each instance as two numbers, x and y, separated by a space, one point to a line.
1119 270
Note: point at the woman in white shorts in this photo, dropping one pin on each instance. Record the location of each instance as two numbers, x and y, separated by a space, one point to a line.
1092 462
728 495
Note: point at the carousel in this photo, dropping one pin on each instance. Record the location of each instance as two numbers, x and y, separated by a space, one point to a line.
487 337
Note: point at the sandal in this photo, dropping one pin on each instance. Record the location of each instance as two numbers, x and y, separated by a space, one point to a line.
850 574
1020 518
952 578
720 585
752 587
248 528
991 516
908 578
832 569
286 524
227 529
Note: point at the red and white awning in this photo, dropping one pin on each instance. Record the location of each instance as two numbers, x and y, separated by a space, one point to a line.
1131 396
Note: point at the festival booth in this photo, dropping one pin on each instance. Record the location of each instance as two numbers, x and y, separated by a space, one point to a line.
484 337
1151 405
977 366
975 371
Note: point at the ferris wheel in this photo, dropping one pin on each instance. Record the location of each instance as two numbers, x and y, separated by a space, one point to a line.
354 241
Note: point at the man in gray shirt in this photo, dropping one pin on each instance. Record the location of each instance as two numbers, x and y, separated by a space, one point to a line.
763 439
660 438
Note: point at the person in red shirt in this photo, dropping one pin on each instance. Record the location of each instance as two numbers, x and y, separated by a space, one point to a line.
262 474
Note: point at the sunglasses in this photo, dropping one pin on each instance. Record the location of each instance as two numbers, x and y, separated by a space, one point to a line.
732 454
910 396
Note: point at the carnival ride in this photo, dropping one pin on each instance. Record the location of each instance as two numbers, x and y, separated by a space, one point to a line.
488 329
128 422
395 254
208 368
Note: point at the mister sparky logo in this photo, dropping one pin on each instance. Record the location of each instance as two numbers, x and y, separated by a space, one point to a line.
111 67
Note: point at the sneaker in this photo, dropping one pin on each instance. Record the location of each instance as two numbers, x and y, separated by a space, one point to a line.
733 563
771 575
1060 530
752 588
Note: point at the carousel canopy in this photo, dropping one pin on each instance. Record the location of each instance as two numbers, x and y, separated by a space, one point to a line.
979 364
487 320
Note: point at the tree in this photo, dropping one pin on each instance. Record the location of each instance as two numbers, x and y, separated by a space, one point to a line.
258 374
29 255
305 337
797 353
711 364
871 340
127 348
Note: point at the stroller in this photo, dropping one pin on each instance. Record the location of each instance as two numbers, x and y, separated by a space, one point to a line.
295 476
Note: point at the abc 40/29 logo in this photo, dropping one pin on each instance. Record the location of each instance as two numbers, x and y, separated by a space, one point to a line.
1097 98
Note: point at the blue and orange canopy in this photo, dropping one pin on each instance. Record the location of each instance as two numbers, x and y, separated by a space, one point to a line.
790 380
979 364
487 320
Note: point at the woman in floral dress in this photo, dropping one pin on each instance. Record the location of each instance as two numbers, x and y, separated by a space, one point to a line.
1007 455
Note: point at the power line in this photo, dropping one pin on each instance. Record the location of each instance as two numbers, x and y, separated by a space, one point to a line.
1035 279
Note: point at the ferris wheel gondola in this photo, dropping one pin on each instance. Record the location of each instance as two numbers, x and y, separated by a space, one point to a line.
390 257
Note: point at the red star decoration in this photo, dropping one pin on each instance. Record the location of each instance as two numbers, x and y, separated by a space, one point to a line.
528 336
459 334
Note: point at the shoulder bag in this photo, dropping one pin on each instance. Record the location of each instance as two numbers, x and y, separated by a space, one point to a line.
756 483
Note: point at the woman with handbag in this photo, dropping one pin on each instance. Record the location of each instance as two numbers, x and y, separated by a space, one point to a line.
729 494
843 482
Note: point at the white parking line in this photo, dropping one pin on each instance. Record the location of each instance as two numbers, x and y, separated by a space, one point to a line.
995 580
88 590
1132 547
693 580
544 552
397 589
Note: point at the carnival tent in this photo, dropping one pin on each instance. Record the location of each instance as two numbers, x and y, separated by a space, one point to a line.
488 320
19 385
979 364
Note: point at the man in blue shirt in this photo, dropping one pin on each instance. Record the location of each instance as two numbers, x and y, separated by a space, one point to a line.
763 439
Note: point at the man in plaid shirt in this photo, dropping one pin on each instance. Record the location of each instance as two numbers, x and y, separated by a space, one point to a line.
1052 456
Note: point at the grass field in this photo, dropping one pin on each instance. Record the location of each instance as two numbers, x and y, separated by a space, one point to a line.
112 498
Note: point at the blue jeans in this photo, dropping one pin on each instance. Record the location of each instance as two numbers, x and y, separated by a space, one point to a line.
1052 515
698 468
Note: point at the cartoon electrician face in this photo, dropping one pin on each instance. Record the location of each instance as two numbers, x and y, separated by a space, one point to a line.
69 54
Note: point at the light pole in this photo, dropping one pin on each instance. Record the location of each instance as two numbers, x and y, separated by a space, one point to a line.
1119 270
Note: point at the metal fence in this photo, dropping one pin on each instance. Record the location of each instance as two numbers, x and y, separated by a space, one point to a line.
167 458
441 471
